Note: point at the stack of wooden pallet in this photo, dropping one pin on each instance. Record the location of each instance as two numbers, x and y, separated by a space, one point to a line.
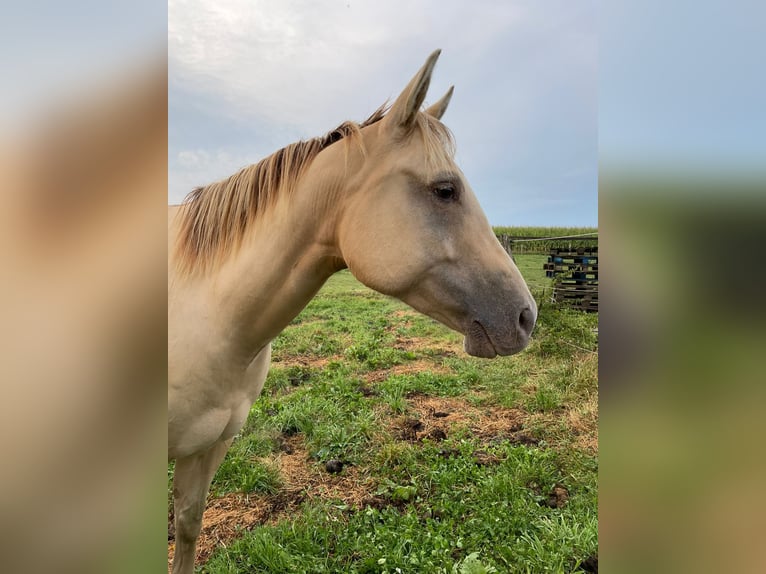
575 273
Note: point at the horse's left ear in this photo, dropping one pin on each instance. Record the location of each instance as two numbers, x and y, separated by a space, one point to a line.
437 110
405 109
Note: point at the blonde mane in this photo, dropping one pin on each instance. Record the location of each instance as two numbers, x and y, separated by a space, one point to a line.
213 219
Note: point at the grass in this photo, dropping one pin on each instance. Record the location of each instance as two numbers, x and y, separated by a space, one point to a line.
543 231
451 464
543 246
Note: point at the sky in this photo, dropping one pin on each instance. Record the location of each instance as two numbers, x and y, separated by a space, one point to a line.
56 53
247 77
682 86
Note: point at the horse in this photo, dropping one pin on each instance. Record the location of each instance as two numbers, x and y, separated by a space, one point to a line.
383 198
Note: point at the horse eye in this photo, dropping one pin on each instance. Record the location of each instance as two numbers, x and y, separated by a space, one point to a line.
445 192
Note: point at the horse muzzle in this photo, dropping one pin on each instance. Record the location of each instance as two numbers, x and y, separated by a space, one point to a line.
487 339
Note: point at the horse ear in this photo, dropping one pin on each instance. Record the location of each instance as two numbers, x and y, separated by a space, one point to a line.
437 110
405 109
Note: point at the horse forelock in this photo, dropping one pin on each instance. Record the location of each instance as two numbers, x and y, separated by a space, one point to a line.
438 141
214 218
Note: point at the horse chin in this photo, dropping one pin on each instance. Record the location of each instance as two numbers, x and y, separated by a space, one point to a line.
477 342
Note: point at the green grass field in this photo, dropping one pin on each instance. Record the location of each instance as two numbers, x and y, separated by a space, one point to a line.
448 463
543 246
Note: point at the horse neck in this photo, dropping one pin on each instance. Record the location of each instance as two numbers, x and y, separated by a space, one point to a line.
284 260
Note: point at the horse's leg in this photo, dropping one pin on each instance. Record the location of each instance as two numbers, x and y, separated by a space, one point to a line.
191 482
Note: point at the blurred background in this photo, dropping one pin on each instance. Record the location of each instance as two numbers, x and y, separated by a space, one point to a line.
681 216
83 154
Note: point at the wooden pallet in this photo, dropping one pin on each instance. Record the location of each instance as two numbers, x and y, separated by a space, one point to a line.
577 282
575 274
581 251
574 277
581 304
561 267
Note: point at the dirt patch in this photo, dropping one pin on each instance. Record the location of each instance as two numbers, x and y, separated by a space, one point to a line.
581 425
419 366
367 391
496 424
421 344
225 518
408 428
524 439
583 420
440 416
444 349
301 474
483 458
437 435
557 497
590 564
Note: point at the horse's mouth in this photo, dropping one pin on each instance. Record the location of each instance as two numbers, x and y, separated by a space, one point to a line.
478 343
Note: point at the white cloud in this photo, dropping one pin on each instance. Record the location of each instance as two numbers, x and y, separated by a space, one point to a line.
193 158
292 60
275 71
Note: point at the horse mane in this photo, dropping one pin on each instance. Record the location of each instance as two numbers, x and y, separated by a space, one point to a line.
213 218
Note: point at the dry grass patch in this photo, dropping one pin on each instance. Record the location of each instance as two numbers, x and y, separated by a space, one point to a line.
431 416
227 517
423 344
583 420
439 417
418 366
580 423
305 477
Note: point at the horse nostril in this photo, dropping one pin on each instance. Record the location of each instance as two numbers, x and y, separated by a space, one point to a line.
527 321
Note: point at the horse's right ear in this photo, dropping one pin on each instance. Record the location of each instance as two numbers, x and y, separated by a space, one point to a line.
402 115
437 110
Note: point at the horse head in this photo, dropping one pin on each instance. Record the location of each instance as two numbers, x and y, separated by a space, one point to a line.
412 227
